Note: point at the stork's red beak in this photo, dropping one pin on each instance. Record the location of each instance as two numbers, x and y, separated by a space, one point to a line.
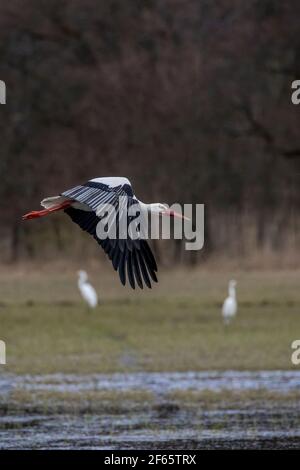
175 214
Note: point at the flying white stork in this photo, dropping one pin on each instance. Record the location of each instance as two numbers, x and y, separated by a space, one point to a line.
229 308
87 291
82 203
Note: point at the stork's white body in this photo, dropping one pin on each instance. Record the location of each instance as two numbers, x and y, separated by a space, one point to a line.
87 291
229 308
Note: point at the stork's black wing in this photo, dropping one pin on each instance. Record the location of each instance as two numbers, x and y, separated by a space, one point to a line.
133 259
95 194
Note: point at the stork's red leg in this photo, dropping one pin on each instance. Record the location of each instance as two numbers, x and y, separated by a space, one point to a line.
42 213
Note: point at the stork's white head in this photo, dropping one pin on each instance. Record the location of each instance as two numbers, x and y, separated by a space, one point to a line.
232 283
83 277
158 208
163 209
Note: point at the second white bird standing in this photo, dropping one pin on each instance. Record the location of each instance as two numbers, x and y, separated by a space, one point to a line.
87 291
229 308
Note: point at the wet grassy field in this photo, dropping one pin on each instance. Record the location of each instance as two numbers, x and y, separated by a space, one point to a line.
47 328
34 415
176 327
153 335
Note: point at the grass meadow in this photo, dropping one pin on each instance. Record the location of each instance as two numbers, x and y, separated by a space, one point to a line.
176 326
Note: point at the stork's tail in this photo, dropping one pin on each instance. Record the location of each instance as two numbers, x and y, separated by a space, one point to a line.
42 213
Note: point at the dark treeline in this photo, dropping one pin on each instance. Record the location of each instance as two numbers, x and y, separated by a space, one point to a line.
190 99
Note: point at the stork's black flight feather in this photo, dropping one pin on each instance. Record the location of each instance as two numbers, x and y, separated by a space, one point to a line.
133 259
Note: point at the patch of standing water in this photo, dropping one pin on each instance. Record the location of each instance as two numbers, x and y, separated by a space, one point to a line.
145 430
266 425
157 382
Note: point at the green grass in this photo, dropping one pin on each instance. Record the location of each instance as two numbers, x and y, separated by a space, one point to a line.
176 327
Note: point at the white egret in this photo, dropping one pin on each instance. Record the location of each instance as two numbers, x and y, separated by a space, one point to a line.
87 290
229 308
